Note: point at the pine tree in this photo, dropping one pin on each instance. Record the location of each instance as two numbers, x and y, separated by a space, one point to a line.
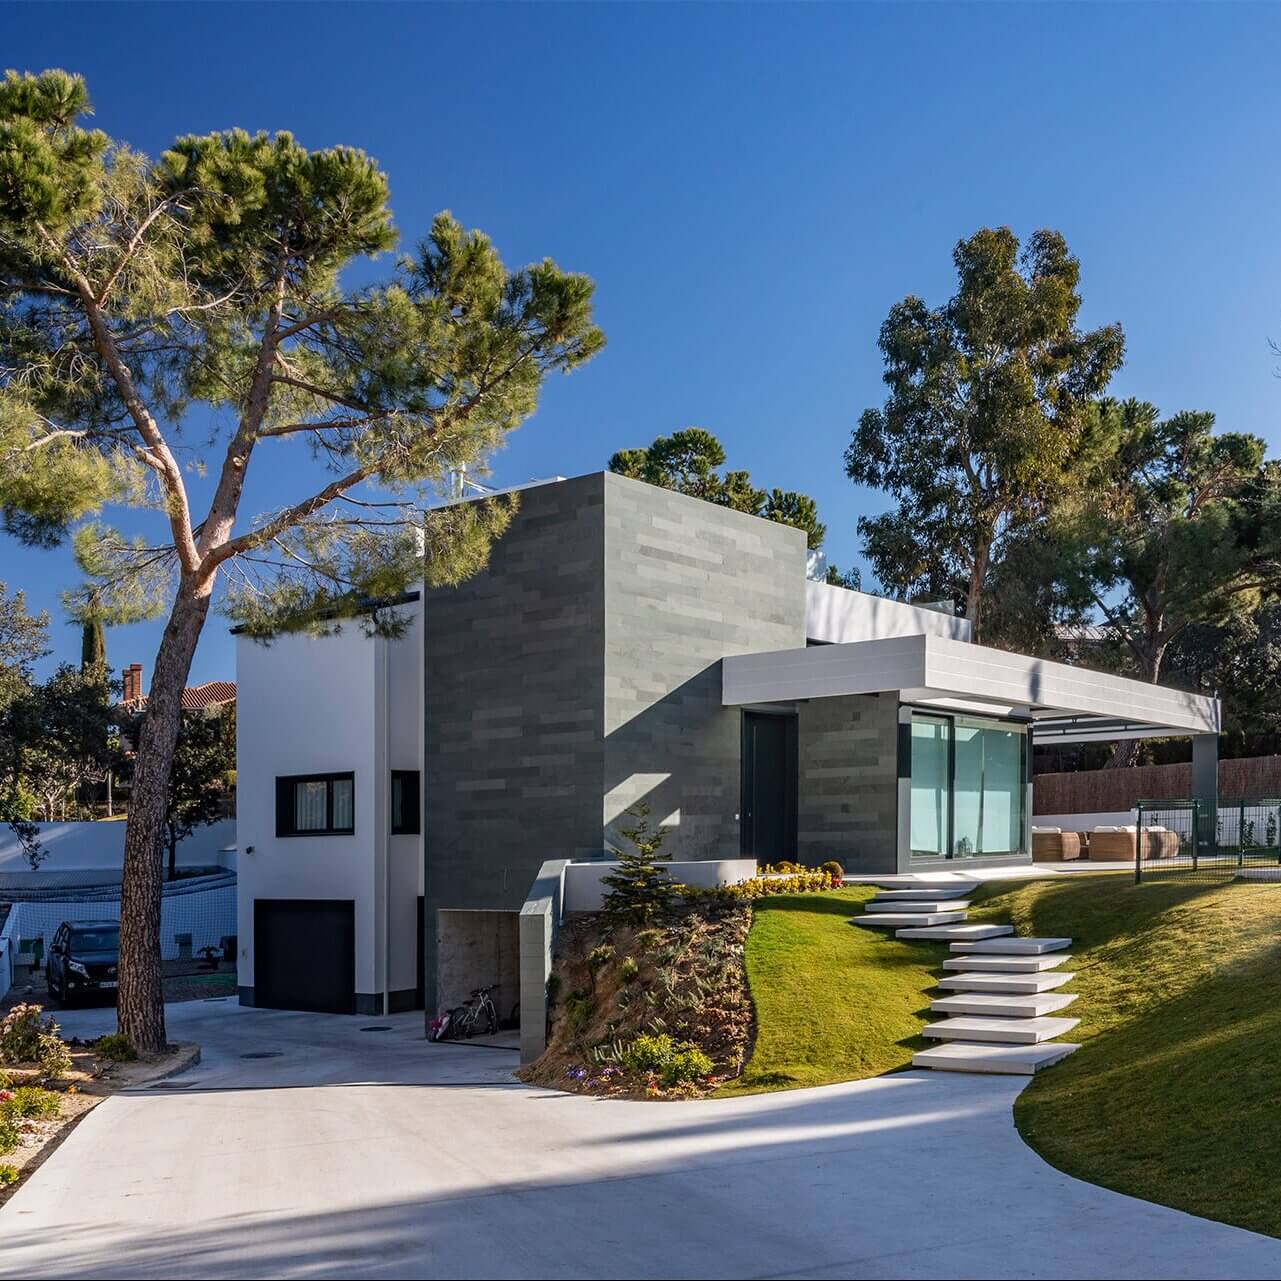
140 298
641 889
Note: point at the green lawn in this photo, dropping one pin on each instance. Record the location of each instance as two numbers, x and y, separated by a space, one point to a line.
1175 1094
834 1001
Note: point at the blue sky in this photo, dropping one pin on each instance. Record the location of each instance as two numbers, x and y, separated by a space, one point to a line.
751 187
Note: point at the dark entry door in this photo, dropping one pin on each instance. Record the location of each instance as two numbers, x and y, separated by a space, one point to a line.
305 955
768 823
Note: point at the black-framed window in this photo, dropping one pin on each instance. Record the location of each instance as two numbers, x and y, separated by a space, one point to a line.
316 804
405 819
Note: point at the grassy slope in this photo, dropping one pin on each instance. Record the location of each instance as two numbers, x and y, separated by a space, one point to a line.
1175 1094
834 1001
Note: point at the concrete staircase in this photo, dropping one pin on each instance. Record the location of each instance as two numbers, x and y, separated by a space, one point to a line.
1000 1003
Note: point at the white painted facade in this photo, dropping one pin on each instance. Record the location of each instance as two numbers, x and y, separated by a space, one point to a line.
343 701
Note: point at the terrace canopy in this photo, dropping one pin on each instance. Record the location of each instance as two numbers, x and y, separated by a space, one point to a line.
1062 704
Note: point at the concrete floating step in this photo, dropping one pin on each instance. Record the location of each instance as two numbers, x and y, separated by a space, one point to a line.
946 933
1041 981
924 905
1015 946
1005 964
998 1031
1004 1005
928 892
891 920
1008 1060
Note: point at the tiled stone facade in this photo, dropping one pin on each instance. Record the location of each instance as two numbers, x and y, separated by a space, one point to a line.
686 583
848 787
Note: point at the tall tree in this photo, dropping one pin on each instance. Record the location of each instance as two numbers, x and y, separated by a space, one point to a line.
1181 527
200 781
137 296
689 460
61 743
984 413
23 642
93 646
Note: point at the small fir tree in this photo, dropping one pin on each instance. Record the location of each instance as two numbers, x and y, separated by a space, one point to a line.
640 889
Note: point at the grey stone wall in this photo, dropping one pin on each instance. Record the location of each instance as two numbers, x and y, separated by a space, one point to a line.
513 692
848 788
580 673
686 583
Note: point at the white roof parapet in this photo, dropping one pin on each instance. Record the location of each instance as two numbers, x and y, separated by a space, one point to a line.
1075 704
836 615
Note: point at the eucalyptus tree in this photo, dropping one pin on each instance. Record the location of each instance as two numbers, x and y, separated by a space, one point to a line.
986 399
164 317
1180 526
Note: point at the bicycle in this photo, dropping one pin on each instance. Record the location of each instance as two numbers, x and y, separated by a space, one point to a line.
477 1018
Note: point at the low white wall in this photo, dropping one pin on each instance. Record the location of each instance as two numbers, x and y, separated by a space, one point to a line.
1085 822
100 848
584 892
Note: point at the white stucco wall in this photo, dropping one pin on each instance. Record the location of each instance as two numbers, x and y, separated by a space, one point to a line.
98 849
837 614
315 704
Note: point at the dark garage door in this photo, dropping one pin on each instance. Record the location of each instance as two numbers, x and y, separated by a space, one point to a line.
305 955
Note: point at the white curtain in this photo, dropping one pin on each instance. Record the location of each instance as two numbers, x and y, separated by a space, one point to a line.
310 806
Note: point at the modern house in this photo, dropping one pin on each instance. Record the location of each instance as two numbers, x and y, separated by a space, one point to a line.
626 645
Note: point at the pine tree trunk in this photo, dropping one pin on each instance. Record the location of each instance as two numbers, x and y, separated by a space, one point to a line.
141 1008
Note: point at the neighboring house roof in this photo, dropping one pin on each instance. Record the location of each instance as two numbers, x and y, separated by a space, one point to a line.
195 698
1085 633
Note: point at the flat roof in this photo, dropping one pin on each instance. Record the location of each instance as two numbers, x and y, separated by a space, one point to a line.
1063 703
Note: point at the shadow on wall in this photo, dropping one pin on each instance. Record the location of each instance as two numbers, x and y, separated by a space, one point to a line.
680 756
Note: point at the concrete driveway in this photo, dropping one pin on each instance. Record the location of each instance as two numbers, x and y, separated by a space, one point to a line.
352 1153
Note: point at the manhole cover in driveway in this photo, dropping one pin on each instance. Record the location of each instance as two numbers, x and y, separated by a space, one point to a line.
377 1027
263 1054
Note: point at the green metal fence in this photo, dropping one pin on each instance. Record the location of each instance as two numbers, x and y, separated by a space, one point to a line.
1208 841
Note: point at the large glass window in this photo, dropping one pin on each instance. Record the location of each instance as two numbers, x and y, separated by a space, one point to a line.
968 786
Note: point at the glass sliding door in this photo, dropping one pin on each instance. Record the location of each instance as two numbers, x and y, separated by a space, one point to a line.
931 792
969 787
989 791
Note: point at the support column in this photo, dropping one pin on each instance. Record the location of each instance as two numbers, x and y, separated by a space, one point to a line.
1205 787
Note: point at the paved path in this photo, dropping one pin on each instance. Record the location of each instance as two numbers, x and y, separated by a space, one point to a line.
374 1154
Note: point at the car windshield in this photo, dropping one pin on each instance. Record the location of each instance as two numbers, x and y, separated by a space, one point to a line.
95 940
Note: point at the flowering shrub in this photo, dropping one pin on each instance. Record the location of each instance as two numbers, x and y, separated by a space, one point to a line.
25 1037
673 1062
809 881
28 1101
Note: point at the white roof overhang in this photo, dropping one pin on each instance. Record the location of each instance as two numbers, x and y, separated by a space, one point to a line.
1063 703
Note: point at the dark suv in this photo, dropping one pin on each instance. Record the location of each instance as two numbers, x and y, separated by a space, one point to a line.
84 958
